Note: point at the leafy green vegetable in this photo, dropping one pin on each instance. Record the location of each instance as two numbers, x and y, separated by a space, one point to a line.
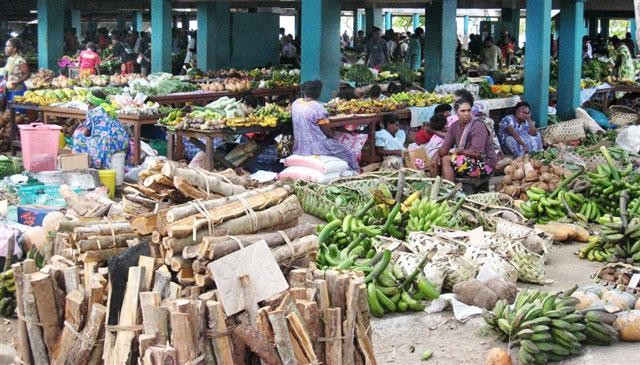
359 73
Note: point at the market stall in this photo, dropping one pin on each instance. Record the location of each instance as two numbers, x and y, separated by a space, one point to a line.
205 97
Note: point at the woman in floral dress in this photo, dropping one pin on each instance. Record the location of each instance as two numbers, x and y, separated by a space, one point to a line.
310 137
100 136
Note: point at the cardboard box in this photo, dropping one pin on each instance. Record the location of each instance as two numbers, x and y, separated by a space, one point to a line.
417 159
76 161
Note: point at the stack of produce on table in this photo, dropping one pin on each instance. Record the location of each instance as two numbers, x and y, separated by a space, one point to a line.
524 172
160 85
230 84
367 106
214 115
596 69
317 169
127 105
121 80
173 116
267 116
232 72
421 99
549 327
281 78
397 70
41 79
359 73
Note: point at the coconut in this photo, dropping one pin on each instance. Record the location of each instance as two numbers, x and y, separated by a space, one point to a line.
508 170
537 164
546 177
519 174
524 197
551 187
532 175
511 190
507 180
541 185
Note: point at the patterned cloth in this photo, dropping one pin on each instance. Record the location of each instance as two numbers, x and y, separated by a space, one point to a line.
389 142
107 136
12 72
624 64
309 139
510 145
465 166
481 111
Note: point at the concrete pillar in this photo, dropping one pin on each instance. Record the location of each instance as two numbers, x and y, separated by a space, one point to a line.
416 20
604 27
388 20
633 29
121 24
570 57
50 33
361 21
161 39
185 21
537 58
593 27
466 26
136 24
76 21
510 19
298 22
374 19
355 18
320 45
440 45
214 35
92 26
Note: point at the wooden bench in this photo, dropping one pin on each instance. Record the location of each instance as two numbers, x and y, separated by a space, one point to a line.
474 185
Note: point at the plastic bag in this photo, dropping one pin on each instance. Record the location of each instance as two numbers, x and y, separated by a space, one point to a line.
628 138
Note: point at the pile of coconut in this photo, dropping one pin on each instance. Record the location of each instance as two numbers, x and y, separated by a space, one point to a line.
524 172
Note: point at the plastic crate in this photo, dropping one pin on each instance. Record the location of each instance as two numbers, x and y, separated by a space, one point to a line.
40 143
47 195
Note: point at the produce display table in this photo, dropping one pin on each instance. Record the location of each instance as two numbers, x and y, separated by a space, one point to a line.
175 145
605 92
15 142
205 97
135 120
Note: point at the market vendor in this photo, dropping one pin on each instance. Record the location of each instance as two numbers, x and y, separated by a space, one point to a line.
100 136
518 134
310 133
468 150
624 68
390 142
89 60
16 70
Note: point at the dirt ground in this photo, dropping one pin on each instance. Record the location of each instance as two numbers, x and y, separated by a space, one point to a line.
401 338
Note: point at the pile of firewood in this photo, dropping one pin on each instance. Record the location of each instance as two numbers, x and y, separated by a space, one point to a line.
84 241
169 182
68 316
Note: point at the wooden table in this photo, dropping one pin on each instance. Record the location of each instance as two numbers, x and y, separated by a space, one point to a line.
619 88
205 97
371 121
135 120
15 142
175 144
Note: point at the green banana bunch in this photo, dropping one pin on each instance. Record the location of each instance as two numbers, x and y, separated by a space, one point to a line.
595 250
607 184
599 328
621 243
541 206
426 214
546 326
8 301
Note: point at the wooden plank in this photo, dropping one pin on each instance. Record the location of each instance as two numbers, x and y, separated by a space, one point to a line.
298 278
48 311
36 339
156 355
282 338
322 294
257 343
221 342
71 279
333 336
181 337
128 317
365 345
148 263
298 293
82 350
311 317
162 280
74 316
22 347
300 333
348 327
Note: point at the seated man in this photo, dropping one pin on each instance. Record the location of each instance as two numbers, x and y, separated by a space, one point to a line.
390 142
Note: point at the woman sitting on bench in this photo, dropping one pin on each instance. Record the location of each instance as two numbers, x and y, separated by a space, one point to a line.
468 149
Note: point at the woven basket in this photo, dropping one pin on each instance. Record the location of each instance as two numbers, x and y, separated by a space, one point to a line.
491 200
314 202
621 268
621 115
570 130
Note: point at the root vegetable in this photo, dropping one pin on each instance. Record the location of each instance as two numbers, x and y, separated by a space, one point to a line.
503 289
628 325
473 292
498 356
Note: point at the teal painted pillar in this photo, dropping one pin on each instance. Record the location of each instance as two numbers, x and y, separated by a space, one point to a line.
76 21
510 19
214 35
137 22
632 30
604 27
537 58
185 21
388 20
360 21
161 38
355 19
320 46
570 57
593 28
465 25
50 33
373 19
440 45
91 25
416 20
